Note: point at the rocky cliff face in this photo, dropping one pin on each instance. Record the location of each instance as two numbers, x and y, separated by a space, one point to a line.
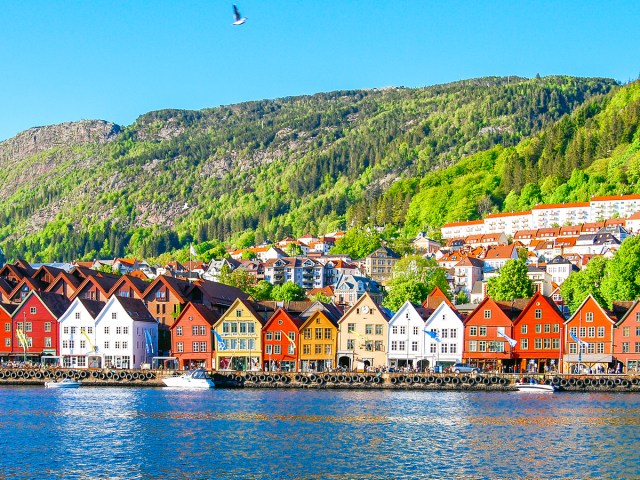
40 139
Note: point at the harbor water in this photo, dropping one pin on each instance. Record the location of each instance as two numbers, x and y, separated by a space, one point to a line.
308 434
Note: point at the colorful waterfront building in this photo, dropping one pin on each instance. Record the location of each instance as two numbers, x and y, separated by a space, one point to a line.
77 333
588 339
626 339
192 339
318 340
240 328
539 333
280 341
407 338
484 345
37 317
364 333
447 325
6 330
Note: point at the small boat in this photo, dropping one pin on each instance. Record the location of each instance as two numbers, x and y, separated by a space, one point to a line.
192 379
65 383
533 386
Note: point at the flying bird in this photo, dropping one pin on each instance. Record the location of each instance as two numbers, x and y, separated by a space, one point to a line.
239 18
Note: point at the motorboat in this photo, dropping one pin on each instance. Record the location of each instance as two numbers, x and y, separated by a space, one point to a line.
64 383
533 386
193 379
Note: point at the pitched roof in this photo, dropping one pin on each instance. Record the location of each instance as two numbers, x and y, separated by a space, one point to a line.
94 307
136 309
508 214
615 197
500 251
207 314
462 224
219 293
555 206
435 298
138 284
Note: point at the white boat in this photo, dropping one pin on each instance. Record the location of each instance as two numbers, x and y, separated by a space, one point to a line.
65 383
192 379
535 387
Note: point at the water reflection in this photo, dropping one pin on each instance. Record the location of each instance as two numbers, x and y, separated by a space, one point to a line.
158 433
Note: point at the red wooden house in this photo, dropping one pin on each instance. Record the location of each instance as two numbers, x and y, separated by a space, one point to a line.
483 346
626 339
192 337
6 330
538 330
280 341
593 325
37 316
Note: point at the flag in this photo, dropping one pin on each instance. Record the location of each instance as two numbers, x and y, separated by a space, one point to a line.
433 335
511 341
221 344
289 338
88 339
578 341
22 337
148 342
192 250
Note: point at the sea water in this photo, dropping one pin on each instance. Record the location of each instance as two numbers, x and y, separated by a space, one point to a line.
308 434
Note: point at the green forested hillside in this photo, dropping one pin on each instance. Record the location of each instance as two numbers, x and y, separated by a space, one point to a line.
402 158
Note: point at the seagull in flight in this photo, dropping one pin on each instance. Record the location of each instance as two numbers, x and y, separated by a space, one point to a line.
239 18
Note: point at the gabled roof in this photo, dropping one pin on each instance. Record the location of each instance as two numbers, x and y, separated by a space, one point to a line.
94 307
5 287
332 311
297 321
180 288
135 308
289 307
500 251
56 304
53 271
9 308
219 293
102 281
32 284
435 298
140 286
470 262
578 310
65 278
538 297
386 314
629 308
208 315
510 309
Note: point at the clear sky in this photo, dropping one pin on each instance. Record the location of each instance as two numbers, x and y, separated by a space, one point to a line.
67 60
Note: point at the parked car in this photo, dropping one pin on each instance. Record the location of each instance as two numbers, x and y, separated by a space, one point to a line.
464 368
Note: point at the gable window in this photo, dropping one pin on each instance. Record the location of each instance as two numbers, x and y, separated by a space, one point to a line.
32 310
487 314
538 314
179 331
589 317
77 315
114 315
238 313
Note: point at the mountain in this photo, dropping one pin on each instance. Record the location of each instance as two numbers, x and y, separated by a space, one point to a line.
244 173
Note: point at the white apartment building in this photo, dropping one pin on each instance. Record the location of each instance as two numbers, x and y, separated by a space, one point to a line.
508 223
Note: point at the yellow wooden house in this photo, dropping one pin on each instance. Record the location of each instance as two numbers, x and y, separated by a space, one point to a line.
363 338
318 343
240 329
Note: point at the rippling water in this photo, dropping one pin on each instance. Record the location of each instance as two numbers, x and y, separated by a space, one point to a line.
163 433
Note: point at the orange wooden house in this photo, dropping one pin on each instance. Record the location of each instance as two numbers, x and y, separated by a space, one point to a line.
280 340
626 339
192 337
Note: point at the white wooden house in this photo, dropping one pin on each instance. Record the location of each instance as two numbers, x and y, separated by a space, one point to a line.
77 334
407 338
447 324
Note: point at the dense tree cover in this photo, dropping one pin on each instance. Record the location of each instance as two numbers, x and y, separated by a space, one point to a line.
261 171
357 243
512 282
581 284
414 277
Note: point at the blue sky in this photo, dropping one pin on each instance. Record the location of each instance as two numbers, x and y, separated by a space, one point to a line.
92 59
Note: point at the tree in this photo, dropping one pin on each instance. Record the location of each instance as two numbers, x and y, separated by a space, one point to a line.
320 297
108 269
357 243
262 290
580 284
401 291
461 298
424 271
293 249
512 282
288 292
239 278
622 273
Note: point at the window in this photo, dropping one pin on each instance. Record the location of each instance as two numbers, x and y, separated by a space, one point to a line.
574 330
72 343
77 315
403 330
327 334
414 346
7 327
487 314
33 310
351 327
180 347
307 333
524 344
118 330
306 349
234 327
482 346
546 343
194 330
106 346
203 330
179 331
589 317
556 328
268 349
327 349
432 347
453 333
394 330
591 332
239 313
291 350
368 329
65 344
445 333
378 345
28 327
473 331
292 336
600 347
116 345
625 347
83 344
125 330
538 328
114 316
573 348
453 348
7 342
496 346
637 347
523 329
583 332
268 336
277 335
106 330
350 344
444 348
547 328
538 314
556 343
637 331
378 329
318 335
243 327
318 349
73 330
483 331
401 346
276 349
251 327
